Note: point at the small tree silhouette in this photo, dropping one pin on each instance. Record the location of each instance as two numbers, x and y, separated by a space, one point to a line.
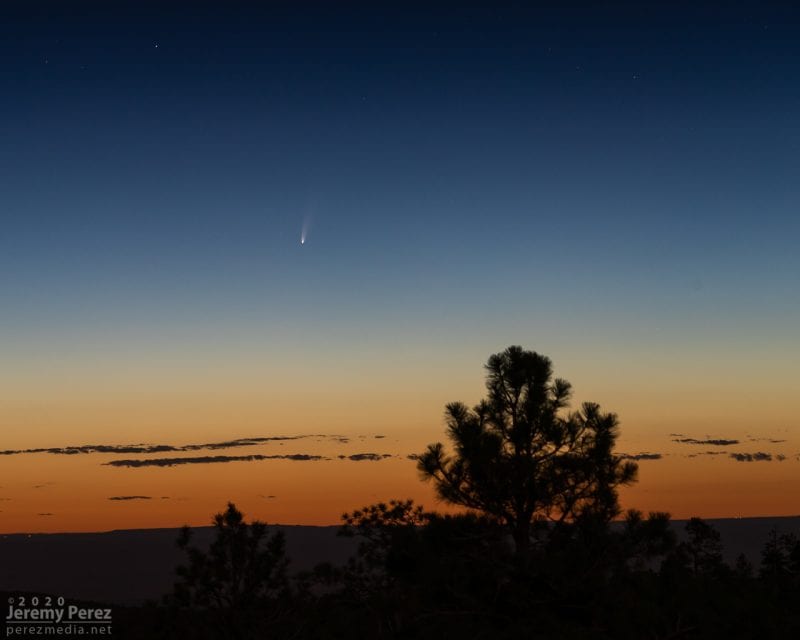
780 559
703 549
743 568
415 569
520 458
385 531
243 570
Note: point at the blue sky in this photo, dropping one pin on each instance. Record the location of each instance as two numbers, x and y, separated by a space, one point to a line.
549 176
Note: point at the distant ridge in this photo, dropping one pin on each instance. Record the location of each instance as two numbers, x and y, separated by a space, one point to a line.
130 566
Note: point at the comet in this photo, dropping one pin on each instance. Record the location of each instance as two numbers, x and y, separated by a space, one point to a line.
305 229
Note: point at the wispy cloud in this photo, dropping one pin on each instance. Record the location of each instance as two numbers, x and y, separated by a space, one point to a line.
172 462
358 457
641 456
707 453
156 448
130 498
717 442
759 456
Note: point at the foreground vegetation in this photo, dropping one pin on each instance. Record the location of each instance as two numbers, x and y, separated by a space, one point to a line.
541 549
423 575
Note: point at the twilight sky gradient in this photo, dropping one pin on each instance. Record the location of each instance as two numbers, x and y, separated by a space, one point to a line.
617 189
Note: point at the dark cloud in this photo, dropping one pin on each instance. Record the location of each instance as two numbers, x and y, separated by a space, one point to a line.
260 495
358 457
641 456
769 440
707 453
717 442
130 498
172 462
239 442
379 437
155 448
44 514
752 457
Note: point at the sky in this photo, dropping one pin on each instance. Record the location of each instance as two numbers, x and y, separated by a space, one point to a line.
612 187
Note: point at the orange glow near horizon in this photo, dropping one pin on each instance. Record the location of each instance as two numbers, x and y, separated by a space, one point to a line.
403 403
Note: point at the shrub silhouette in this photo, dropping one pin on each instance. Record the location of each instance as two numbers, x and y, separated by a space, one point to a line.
417 574
235 582
780 560
703 549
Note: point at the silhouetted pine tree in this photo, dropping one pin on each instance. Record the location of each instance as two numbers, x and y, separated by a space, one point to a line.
234 585
519 457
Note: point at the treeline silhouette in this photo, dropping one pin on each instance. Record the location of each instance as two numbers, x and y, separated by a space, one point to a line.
418 574
542 549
